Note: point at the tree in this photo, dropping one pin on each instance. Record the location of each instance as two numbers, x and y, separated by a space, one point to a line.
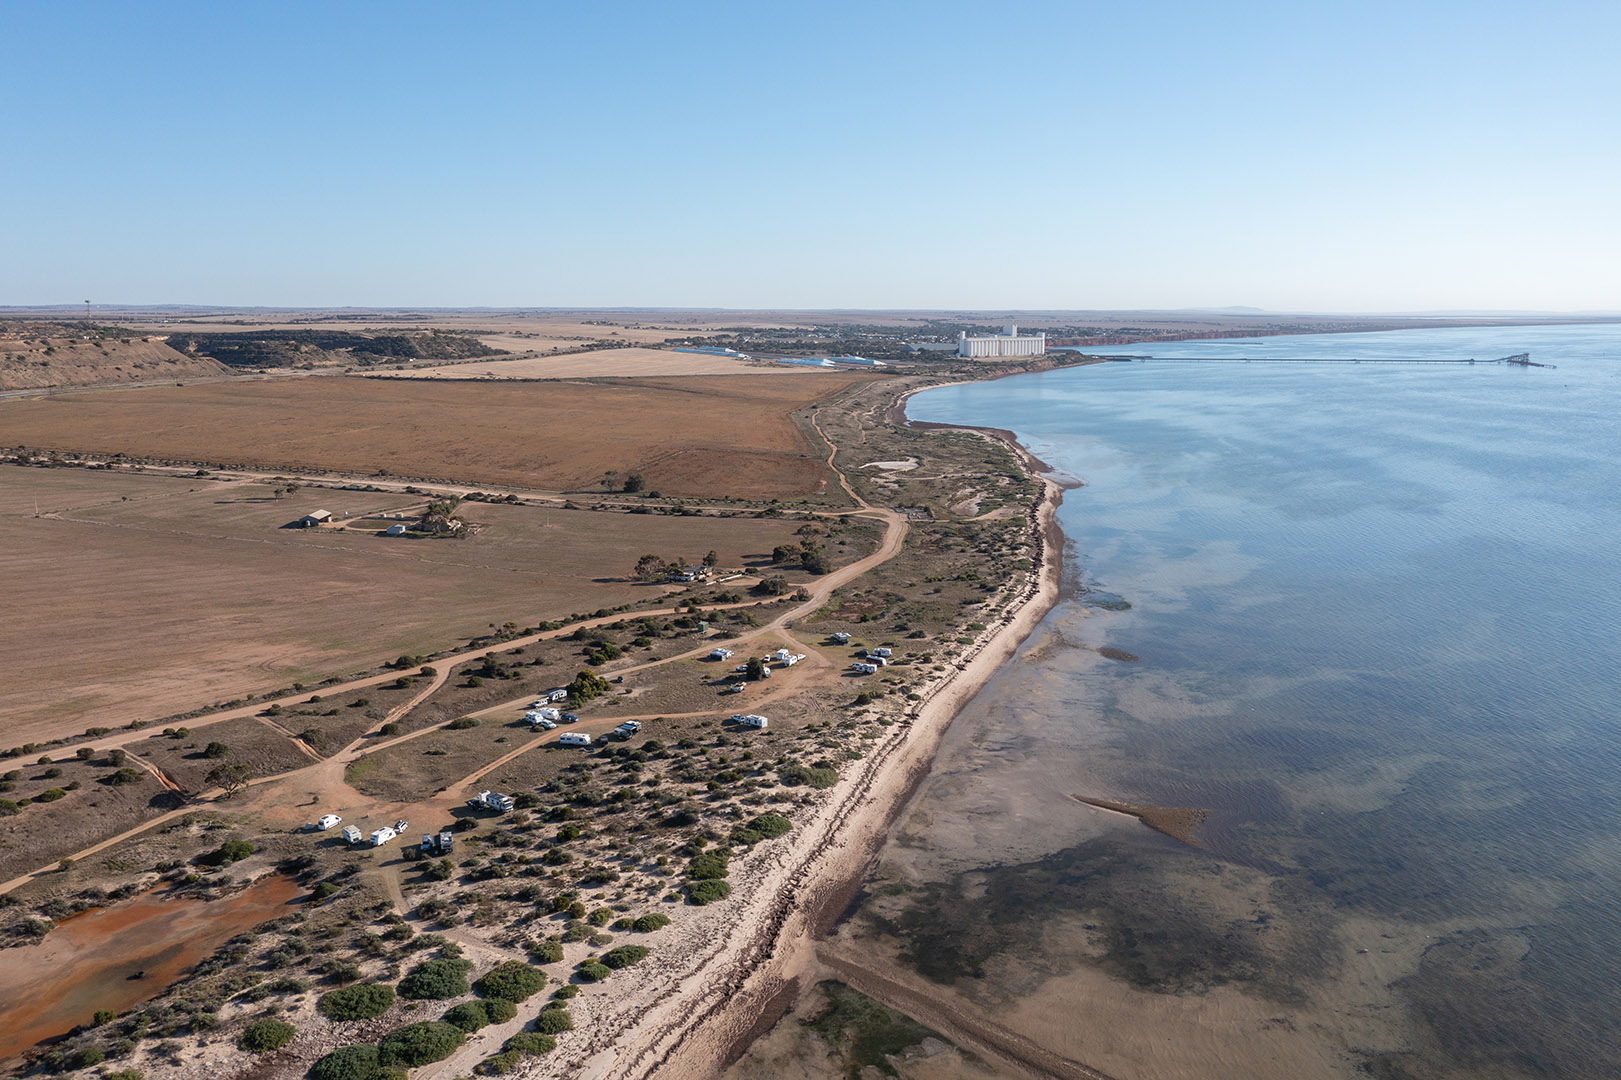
216 750
712 560
787 553
754 670
587 685
608 478
635 483
650 568
230 779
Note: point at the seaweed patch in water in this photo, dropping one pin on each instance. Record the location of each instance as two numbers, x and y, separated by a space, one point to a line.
864 1031
952 930
1104 601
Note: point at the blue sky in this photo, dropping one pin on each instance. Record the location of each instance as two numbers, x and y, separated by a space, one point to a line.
1371 157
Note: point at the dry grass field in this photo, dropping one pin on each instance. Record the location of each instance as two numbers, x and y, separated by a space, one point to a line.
139 597
697 436
597 364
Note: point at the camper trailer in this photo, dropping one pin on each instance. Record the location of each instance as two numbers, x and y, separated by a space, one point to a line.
382 836
491 800
574 738
751 721
352 835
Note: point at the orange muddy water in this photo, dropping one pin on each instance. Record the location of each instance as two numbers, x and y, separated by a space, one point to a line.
86 962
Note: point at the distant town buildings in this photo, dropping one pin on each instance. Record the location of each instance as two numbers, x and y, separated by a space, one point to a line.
1008 344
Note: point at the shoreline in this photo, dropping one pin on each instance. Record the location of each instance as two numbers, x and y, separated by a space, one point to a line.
808 889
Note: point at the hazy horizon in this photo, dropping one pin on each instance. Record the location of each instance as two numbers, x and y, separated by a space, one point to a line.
1052 156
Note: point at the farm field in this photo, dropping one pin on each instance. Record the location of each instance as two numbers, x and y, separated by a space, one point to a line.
691 436
597 364
138 597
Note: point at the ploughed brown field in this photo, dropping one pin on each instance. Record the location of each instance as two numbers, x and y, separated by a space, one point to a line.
137 597
696 435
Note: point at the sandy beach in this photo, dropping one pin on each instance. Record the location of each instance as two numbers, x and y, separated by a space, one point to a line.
743 966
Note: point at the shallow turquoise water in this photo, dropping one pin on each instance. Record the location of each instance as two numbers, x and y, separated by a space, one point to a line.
1376 608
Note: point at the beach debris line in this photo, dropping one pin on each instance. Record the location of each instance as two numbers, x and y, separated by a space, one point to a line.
1178 822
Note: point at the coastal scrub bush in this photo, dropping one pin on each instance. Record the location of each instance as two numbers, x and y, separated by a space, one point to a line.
263 1036
229 852
469 1016
591 971
419 1044
554 1022
546 952
707 892
510 980
356 1002
532 1042
710 865
462 723
358 1062
625 956
500 1064
648 923
436 979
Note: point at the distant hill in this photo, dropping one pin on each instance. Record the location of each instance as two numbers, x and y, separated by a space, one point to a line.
40 356
303 348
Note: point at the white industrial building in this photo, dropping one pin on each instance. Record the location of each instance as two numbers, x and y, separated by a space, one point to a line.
1008 344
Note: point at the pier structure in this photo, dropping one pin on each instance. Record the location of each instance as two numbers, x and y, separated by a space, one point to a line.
1518 359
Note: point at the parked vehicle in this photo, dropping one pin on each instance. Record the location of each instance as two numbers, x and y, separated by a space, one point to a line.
491 800
382 836
569 718
327 821
352 835
572 738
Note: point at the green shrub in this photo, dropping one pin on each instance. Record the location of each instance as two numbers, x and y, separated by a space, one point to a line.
356 1002
358 1062
532 1042
50 795
419 1044
436 979
648 923
591 971
88 1056
500 1064
554 1022
546 952
229 852
625 956
510 980
707 892
500 1010
601 916
265 1035
469 1016
462 723
104 1016
770 826
566 991
708 865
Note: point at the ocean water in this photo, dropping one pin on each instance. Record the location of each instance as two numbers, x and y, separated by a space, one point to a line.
1375 611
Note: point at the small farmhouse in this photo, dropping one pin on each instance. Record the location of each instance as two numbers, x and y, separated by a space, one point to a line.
312 520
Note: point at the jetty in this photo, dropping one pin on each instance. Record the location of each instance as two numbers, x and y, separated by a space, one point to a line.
1518 359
